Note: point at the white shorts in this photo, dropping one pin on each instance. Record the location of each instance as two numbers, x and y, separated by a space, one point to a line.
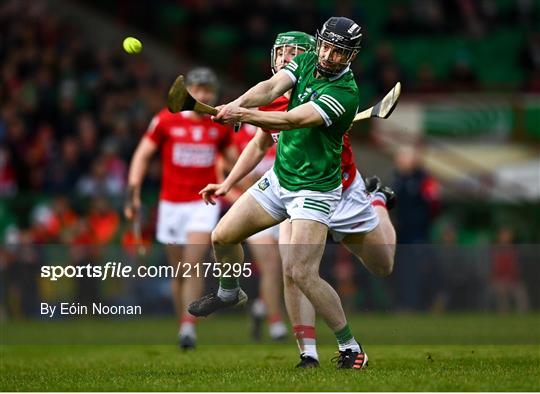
177 219
354 212
281 203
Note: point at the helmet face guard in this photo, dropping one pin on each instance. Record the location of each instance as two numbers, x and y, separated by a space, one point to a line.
277 58
340 57
296 40
338 42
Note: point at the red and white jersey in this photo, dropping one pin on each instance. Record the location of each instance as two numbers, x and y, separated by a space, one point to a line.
279 104
348 166
242 138
189 146
247 132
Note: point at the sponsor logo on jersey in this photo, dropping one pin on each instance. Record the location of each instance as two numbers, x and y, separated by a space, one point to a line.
263 184
193 155
302 96
178 131
197 133
313 96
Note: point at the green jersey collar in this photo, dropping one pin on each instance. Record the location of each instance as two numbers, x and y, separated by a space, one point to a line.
345 70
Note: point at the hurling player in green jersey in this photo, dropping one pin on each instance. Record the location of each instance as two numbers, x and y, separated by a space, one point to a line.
305 183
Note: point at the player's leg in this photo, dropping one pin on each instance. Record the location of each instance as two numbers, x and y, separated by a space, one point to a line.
361 222
181 288
255 210
310 213
175 257
246 217
300 311
375 249
302 260
170 231
264 249
193 285
302 264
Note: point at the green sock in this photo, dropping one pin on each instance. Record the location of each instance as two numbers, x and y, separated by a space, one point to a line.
229 283
344 335
346 340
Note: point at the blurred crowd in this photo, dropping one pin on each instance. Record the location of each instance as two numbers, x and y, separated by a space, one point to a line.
475 19
71 115
202 30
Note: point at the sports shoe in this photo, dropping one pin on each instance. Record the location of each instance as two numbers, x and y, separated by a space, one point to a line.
348 359
211 302
186 342
374 185
307 362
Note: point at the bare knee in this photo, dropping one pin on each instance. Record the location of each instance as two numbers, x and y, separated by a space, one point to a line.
385 269
303 276
220 236
374 251
384 266
287 270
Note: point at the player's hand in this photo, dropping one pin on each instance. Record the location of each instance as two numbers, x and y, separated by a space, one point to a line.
213 190
230 114
132 205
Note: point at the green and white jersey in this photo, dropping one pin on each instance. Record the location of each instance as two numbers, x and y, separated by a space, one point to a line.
310 158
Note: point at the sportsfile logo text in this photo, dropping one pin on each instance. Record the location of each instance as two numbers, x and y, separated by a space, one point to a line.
120 270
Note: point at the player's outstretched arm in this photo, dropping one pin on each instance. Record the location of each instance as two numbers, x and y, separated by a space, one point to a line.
252 155
303 116
261 94
137 170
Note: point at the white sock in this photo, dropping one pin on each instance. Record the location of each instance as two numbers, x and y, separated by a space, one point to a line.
227 294
277 329
187 329
258 309
350 344
311 351
379 196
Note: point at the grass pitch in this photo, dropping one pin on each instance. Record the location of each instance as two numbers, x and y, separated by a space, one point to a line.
407 353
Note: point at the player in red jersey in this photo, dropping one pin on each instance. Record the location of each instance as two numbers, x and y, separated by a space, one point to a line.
189 144
360 221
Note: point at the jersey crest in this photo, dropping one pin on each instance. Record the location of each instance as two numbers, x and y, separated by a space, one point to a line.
263 184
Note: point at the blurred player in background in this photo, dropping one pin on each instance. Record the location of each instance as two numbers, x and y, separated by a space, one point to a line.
189 144
360 222
305 181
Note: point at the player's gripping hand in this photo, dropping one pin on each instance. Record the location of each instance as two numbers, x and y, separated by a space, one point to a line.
230 114
132 204
213 190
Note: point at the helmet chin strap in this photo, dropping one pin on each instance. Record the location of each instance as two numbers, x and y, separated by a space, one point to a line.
324 72
329 73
